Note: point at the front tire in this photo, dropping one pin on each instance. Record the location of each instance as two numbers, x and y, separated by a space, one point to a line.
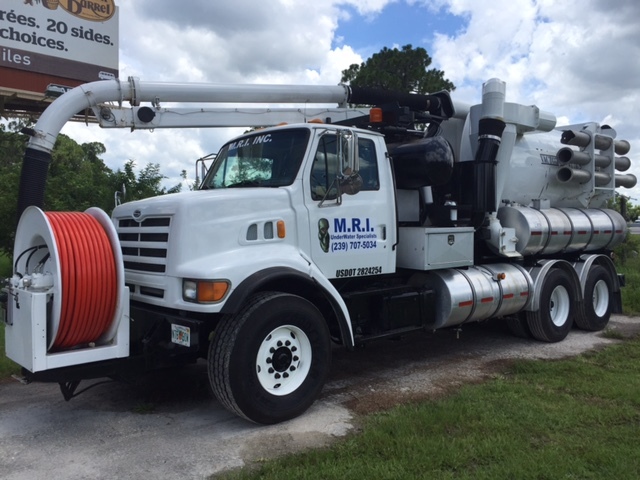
554 318
598 293
269 362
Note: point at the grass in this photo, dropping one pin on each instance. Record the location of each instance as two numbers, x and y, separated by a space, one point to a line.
627 259
569 419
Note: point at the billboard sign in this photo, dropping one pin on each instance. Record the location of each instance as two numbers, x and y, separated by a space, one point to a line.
57 41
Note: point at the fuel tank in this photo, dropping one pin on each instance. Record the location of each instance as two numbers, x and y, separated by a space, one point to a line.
476 293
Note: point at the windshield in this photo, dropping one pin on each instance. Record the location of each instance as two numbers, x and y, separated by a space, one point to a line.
259 160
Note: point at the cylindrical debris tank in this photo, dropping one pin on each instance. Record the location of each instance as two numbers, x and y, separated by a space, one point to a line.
552 230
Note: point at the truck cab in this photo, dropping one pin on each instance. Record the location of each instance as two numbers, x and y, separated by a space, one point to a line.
339 184
312 198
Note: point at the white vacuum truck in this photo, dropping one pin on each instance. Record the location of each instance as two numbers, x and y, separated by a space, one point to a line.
347 226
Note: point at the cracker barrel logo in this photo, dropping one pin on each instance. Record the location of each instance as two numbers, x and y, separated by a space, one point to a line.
92 10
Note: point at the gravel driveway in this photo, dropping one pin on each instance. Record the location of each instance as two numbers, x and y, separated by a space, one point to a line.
168 426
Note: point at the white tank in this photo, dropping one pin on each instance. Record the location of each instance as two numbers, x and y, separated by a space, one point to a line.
529 170
529 167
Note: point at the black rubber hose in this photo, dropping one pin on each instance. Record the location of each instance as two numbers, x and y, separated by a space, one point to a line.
438 103
33 178
484 185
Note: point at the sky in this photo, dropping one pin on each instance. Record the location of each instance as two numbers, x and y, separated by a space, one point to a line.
578 59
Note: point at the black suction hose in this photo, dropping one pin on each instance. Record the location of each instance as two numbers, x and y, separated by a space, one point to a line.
438 103
484 169
33 179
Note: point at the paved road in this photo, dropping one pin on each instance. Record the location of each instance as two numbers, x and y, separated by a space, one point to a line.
168 426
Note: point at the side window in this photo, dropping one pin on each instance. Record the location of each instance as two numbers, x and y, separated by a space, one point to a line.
324 169
325 164
368 164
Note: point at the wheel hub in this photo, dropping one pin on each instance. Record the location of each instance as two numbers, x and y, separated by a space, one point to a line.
283 360
600 298
559 306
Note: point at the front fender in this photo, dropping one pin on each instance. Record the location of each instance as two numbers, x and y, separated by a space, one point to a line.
312 281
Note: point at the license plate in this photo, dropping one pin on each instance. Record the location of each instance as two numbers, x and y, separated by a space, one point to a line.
181 335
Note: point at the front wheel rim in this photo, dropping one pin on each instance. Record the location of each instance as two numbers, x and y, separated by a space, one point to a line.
600 298
283 360
559 306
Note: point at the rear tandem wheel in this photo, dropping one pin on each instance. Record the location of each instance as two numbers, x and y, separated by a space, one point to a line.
598 295
554 317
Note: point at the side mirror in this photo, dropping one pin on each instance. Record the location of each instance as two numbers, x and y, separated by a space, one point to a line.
351 184
348 151
349 180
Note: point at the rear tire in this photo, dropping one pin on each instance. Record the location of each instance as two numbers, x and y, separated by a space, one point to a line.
553 320
269 362
598 294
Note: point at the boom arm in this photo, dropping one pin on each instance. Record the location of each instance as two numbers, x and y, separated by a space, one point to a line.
174 117
93 94
96 94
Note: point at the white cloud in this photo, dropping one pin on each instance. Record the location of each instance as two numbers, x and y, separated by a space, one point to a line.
232 41
367 7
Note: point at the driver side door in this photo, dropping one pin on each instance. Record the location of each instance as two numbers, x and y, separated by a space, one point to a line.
351 234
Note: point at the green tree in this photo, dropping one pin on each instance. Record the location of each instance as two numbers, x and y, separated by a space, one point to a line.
621 204
77 179
148 183
404 70
12 146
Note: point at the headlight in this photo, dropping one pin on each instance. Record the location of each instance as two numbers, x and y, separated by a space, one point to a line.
204 291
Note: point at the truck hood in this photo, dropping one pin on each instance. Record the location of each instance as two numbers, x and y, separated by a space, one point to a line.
206 223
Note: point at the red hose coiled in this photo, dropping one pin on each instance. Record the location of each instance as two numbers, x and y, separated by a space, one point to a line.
88 276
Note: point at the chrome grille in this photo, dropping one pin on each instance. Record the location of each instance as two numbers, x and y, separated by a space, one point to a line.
144 244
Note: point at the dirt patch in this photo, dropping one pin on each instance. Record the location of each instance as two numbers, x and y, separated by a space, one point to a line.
626 330
259 448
